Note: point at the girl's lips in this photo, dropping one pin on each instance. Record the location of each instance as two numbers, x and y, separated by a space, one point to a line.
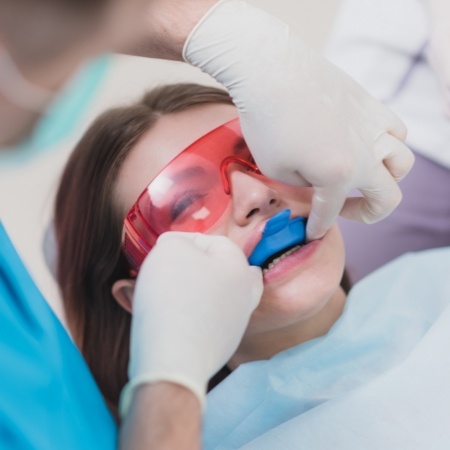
254 238
283 268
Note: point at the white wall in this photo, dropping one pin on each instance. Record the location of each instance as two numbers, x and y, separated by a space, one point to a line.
26 193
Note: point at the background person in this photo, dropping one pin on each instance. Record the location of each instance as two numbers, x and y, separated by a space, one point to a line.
388 50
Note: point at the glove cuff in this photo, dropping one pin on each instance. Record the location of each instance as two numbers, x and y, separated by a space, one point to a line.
126 395
199 23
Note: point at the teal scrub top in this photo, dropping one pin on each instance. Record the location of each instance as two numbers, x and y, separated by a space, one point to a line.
48 397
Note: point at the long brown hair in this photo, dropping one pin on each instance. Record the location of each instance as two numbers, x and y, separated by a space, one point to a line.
88 229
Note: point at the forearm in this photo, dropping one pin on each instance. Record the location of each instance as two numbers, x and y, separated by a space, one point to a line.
162 416
169 23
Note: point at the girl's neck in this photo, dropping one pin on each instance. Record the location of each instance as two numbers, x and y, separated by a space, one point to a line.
267 344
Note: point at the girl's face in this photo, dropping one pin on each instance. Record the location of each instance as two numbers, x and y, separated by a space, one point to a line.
300 285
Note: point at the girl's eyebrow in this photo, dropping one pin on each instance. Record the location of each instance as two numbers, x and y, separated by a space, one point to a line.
195 171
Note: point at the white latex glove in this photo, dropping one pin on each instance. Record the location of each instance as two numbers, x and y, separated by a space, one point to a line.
306 121
439 46
193 298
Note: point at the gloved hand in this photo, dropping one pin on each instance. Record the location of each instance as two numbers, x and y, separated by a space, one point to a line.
439 46
305 121
193 298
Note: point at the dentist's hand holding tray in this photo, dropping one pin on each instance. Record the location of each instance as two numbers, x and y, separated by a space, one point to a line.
315 126
217 267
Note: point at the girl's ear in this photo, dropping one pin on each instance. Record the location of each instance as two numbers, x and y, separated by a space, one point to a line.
123 291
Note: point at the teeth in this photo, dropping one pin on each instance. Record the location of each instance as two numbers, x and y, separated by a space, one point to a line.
280 258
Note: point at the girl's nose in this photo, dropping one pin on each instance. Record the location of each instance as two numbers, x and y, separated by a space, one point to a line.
252 198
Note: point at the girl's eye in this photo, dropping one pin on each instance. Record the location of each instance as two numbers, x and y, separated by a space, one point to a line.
184 202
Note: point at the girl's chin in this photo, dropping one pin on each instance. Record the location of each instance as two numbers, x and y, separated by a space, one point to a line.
294 304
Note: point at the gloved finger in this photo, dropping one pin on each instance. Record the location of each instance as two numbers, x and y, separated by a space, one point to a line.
172 244
379 199
281 174
224 249
258 285
397 157
292 177
396 127
199 241
325 207
220 247
175 236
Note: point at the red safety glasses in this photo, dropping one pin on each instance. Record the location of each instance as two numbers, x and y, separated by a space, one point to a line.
190 194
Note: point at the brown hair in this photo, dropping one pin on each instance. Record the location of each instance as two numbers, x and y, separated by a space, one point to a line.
88 229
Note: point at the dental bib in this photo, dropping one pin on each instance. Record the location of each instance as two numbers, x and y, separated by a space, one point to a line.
377 380
280 233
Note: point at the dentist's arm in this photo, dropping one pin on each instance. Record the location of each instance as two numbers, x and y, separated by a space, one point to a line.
168 24
193 298
162 416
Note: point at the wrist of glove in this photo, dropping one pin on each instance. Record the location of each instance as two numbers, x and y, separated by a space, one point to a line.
193 298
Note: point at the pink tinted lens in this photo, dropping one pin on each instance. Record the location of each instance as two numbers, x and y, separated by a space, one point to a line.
187 195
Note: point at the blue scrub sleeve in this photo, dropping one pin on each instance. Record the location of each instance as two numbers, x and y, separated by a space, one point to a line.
48 397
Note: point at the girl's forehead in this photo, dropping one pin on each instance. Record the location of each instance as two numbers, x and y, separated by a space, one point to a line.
170 135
